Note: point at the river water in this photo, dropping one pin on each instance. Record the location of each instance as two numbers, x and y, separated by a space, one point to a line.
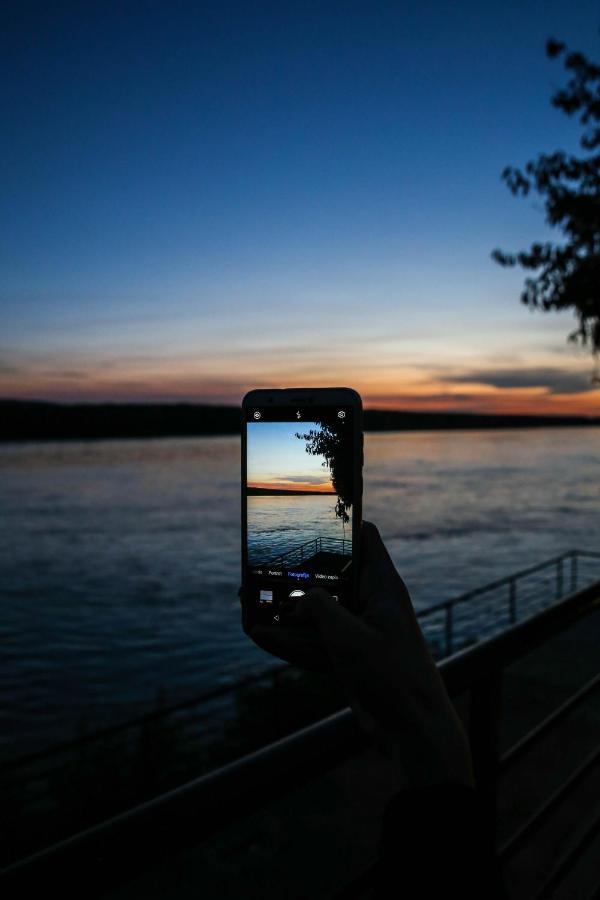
119 560
281 524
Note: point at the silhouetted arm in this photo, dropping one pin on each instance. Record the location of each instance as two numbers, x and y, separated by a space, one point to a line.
434 834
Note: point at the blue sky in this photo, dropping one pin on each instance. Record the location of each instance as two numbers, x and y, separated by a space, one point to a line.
200 198
277 457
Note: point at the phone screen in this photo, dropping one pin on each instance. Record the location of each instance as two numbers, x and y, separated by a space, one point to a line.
299 487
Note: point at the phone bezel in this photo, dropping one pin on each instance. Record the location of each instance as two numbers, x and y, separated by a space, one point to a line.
290 397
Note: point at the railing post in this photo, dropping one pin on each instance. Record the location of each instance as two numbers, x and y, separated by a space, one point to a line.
573 571
512 601
449 611
559 578
82 747
484 731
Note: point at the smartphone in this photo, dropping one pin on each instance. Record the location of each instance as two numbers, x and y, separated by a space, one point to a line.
302 458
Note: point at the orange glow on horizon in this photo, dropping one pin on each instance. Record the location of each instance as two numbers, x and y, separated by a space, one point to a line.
491 401
385 387
304 486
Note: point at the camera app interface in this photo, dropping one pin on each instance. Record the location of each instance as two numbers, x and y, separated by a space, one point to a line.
299 492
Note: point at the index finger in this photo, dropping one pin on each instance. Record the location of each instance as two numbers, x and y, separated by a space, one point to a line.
384 596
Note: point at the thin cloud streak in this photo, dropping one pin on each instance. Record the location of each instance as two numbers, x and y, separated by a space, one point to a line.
555 380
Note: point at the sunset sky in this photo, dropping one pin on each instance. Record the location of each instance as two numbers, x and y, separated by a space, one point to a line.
277 459
201 198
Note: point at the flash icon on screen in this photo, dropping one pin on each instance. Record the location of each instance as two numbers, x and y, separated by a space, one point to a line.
298 414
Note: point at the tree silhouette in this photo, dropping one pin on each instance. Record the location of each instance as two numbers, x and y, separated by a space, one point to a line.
568 272
329 441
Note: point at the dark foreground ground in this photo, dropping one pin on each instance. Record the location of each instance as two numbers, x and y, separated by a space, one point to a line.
33 420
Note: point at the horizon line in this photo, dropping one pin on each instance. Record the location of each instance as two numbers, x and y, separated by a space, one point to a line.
233 406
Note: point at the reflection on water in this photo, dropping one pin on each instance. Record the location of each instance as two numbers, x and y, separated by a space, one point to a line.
119 560
277 525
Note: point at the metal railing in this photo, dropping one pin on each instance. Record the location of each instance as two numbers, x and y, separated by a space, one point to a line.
160 712
565 571
310 548
442 649
107 854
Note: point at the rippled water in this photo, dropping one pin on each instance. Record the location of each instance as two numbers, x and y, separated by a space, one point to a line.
119 560
278 525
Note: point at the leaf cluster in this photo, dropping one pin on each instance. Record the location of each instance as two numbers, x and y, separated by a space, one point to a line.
329 441
568 273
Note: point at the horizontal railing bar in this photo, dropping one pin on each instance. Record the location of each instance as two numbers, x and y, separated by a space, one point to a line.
525 742
516 840
591 553
568 859
118 848
103 854
533 592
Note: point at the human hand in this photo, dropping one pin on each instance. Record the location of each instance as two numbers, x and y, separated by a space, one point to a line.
383 664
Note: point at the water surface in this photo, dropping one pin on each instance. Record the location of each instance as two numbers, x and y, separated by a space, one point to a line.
280 524
119 560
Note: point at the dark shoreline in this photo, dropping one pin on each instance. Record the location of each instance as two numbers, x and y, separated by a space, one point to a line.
274 492
23 420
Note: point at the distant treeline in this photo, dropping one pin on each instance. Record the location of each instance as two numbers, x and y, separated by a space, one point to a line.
275 492
36 420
